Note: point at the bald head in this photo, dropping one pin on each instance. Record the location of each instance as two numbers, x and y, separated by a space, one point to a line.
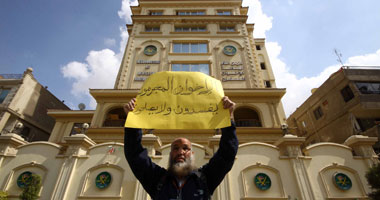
180 150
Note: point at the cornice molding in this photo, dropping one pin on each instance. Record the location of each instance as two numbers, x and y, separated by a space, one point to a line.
189 18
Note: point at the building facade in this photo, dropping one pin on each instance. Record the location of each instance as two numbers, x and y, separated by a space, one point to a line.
346 104
84 158
23 106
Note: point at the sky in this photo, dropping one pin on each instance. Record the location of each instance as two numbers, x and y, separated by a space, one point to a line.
76 45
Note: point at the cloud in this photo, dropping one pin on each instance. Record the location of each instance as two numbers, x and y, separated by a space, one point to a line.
109 42
101 66
125 12
99 71
256 15
297 89
365 60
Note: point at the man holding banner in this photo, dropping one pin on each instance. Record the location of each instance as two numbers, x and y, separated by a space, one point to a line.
182 180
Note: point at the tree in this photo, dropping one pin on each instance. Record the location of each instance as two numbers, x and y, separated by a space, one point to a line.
32 189
373 178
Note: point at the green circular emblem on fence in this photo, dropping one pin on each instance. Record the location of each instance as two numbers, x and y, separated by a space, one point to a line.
262 181
229 50
24 179
342 181
103 180
150 50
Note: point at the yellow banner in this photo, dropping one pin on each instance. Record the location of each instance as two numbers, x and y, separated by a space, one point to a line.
179 100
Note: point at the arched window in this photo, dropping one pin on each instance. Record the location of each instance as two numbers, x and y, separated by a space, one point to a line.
115 118
246 117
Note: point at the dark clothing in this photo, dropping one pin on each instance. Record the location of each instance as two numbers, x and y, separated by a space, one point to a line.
151 175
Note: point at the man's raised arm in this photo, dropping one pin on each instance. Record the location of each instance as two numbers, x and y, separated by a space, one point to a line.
221 163
147 172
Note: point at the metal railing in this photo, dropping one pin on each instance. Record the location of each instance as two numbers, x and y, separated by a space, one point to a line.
11 76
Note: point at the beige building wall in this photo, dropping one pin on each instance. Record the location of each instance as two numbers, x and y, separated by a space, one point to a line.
69 172
83 144
339 118
27 103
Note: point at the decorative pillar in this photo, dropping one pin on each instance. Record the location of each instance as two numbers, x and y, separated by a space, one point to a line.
289 146
362 146
223 190
151 142
8 145
78 146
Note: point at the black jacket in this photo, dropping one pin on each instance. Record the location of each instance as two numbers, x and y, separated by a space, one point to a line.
151 175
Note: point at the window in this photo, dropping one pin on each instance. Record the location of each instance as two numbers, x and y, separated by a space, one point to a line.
347 93
227 29
3 94
318 113
190 29
258 47
190 48
115 118
155 13
262 65
267 84
224 12
367 123
204 68
191 13
368 88
246 117
152 29
303 124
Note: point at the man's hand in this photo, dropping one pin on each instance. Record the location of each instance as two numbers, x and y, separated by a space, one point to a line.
130 106
228 104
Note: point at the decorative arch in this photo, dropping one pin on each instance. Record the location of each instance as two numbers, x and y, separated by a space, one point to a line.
142 45
117 174
37 168
258 143
247 117
115 117
57 146
248 172
229 40
326 180
106 144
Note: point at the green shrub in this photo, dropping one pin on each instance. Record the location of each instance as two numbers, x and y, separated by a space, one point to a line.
373 178
3 195
31 190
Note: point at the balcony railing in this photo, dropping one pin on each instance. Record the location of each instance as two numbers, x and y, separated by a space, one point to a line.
11 76
248 123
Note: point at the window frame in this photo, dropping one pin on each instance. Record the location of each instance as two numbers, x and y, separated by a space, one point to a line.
318 113
368 87
151 12
224 28
267 84
152 27
258 47
222 12
190 12
263 66
190 47
190 65
347 93
190 29
2 92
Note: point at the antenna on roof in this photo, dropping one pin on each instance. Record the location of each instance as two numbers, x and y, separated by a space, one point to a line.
339 55
81 106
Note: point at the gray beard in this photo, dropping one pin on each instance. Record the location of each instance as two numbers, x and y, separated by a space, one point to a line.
181 169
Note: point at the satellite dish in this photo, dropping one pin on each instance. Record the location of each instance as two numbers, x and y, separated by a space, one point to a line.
81 106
